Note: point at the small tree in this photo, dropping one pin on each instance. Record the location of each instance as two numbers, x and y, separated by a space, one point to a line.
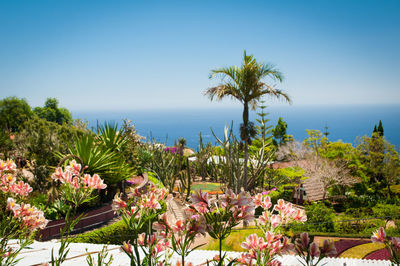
279 132
51 112
380 128
246 85
13 114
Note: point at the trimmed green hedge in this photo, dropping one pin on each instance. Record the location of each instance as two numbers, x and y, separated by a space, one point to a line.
115 233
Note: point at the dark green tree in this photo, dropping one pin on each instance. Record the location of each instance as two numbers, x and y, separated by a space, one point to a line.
246 85
381 161
13 114
39 142
51 112
380 128
279 132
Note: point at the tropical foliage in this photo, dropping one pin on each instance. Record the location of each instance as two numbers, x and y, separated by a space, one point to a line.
246 85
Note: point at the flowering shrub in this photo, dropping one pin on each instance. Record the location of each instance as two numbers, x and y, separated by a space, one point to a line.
181 234
9 183
17 220
221 215
77 188
392 244
139 210
263 250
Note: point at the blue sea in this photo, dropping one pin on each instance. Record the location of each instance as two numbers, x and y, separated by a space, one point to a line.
344 122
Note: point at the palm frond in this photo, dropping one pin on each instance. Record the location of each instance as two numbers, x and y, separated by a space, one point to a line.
279 94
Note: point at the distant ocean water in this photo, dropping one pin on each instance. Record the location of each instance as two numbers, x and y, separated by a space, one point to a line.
344 122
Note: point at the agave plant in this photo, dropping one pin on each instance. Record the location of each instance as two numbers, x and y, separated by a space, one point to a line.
100 159
109 135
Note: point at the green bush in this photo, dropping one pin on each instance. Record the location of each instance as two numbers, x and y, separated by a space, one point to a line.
320 218
115 233
153 178
347 224
386 210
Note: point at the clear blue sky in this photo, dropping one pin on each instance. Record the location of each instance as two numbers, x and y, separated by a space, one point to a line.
115 55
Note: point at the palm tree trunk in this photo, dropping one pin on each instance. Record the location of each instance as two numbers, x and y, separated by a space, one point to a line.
246 143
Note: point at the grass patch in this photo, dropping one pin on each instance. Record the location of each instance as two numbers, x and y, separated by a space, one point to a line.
233 241
395 189
361 251
207 187
336 234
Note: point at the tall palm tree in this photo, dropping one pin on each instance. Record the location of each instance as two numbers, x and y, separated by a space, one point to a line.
246 85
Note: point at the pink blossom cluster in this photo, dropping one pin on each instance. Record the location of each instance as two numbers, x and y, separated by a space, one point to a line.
155 242
264 249
8 181
281 214
139 202
240 205
30 216
71 176
182 233
7 165
182 229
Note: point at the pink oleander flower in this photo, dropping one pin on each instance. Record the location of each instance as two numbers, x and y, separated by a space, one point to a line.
328 247
263 201
118 203
150 202
280 206
299 215
11 204
141 239
304 240
74 167
75 182
8 165
245 259
31 217
162 223
7 179
379 235
93 182
246 213
127 247
265 218
253 242
314 250
9 184
258 199
35 220
275 220
58 174
179 226
66 178
200 197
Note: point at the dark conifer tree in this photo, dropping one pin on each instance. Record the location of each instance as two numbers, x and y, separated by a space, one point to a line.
380 128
